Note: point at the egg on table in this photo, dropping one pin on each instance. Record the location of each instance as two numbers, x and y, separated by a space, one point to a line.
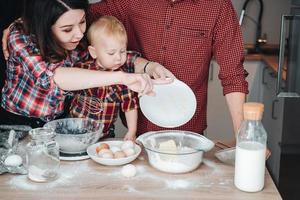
128 170
13 160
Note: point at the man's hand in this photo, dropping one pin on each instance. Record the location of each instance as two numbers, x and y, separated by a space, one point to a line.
4 43
157 71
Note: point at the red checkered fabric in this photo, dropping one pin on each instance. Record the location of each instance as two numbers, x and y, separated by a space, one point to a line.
183 36
29 88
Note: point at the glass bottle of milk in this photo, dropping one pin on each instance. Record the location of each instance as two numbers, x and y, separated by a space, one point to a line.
251 150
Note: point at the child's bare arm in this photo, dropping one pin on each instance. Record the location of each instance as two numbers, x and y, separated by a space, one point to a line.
131 118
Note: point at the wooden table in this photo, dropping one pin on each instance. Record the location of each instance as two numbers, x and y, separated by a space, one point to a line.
89 180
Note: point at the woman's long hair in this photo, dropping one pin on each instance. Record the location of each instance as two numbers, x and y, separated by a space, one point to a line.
38 18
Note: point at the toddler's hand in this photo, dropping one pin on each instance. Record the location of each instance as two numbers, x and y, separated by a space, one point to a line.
130 136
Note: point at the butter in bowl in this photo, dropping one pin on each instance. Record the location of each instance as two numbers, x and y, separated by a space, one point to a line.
175 151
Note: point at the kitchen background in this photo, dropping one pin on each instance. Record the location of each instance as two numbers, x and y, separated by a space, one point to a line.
273 9
280 121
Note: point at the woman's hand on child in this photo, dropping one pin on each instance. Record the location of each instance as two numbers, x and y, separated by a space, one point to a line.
4 43
140 83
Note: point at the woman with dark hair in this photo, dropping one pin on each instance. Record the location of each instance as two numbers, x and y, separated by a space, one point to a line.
43 47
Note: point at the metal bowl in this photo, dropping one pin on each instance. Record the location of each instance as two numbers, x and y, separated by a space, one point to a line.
175 151
226 156
74 135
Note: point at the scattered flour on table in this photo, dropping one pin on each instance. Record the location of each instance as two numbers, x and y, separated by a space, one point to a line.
71 173
180 184
67 175
183 181
130 188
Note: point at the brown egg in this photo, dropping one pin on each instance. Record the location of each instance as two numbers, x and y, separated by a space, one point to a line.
102 146
129 151
102 151
119 154
107 155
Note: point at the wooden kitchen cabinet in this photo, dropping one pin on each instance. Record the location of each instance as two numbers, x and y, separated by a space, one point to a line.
281 120
272 119
218 116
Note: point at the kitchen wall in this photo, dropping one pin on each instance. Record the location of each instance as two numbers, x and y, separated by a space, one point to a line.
271 20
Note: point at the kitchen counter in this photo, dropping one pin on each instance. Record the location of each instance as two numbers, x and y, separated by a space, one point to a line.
89 180
271 60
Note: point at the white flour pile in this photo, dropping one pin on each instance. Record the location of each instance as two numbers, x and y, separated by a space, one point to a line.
184 162
169 166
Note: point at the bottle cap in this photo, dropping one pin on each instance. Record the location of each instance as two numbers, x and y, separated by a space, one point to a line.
253 111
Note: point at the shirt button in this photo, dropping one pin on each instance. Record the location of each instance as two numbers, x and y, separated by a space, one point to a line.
164 48
201 34
168 26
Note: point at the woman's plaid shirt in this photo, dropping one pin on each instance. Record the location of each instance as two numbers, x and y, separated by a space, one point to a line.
29 88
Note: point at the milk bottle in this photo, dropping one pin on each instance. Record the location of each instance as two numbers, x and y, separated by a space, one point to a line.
251 150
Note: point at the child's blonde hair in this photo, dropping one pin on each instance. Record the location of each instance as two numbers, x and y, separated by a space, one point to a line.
107 25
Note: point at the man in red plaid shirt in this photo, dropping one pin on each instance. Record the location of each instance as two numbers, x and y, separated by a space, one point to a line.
184 35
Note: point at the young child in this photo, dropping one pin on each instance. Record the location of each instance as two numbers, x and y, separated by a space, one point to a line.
108 48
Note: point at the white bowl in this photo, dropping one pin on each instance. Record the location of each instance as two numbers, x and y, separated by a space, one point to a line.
185 155
226 156
91 151
74 135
